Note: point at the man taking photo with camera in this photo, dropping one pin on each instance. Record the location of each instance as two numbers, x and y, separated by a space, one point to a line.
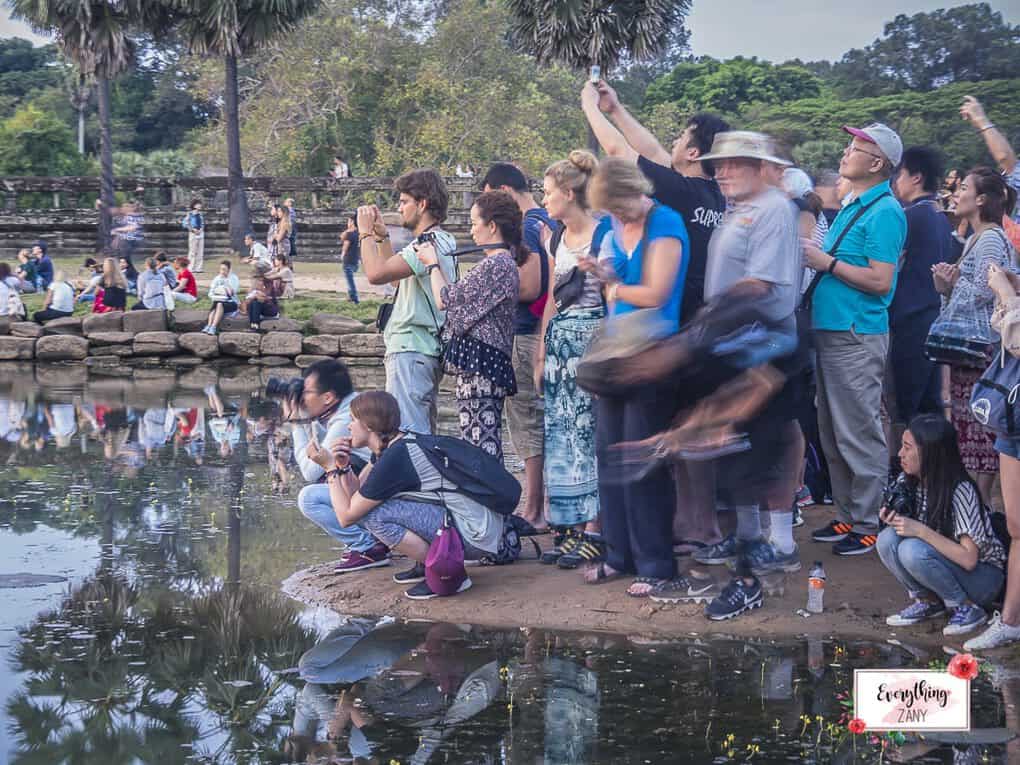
321 414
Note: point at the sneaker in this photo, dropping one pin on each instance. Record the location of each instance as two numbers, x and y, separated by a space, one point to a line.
718 554
422 591
916 612
590 548
998 634
412 575
833 531
766 559
376 556
803 497
798 518
736 598
964 619
855 544
563 543
680 589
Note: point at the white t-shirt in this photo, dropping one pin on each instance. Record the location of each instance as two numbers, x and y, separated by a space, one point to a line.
63 297
7 286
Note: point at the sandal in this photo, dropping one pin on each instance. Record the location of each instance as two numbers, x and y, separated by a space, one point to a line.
603 573
684 547
650 581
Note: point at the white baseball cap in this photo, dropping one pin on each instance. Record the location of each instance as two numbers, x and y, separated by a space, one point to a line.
884 137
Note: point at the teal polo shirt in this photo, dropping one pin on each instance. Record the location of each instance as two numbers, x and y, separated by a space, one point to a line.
878 235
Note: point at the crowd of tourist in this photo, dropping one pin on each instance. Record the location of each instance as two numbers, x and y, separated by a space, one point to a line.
784 341
690 345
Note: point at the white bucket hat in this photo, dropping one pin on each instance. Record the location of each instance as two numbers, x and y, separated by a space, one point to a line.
744 144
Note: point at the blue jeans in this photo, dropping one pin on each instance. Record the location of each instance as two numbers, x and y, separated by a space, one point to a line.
315 505
352 288
922 569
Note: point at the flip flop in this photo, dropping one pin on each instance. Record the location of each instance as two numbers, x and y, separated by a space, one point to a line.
601 575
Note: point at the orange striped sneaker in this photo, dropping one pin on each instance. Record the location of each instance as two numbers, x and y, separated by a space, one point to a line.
855 544
833 531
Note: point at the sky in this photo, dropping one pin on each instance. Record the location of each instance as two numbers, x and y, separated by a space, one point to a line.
777 30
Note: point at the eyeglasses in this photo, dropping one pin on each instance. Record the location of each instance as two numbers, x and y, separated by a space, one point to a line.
850 149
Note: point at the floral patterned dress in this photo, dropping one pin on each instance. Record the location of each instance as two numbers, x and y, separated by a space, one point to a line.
479 333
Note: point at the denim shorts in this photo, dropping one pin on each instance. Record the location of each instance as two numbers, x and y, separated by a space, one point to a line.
1008 446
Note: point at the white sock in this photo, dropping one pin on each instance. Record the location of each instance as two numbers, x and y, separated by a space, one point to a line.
748 523
782 531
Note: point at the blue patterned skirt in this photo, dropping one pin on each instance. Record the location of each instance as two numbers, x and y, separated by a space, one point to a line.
571 475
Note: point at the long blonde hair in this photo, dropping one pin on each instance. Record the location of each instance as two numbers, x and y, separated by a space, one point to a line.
112 273
574 174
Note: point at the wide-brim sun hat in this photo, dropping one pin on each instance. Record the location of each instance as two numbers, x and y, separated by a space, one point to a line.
744 144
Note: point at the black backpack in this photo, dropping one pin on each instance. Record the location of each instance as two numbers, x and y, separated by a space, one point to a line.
478 475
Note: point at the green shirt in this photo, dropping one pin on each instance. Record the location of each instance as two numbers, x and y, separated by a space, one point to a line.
879 234
415 322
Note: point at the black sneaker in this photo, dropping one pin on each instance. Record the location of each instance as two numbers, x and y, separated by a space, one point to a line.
563 543
736 598
855 544
590 549
412 575
422 591
680 589
833 531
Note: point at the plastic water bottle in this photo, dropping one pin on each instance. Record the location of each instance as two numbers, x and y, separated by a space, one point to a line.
816 588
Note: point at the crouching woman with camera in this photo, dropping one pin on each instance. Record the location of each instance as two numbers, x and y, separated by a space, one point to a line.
939 543
401 499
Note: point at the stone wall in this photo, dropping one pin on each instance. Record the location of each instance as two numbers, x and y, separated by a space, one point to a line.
117 343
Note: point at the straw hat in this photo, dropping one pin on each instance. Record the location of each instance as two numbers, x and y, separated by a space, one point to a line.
744 144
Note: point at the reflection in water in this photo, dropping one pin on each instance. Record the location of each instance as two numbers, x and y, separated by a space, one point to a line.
173 644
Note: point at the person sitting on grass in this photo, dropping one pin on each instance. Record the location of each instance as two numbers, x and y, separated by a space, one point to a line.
939 542
26 271
400 498
186 290
111 293
223 292
261 300
59 300
281 272
150 288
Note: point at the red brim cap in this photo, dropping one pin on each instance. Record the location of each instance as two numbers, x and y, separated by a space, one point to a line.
858 133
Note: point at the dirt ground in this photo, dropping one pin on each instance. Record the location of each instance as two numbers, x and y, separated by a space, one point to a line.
859 594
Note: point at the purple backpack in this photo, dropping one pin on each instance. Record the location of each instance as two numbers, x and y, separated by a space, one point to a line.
444 565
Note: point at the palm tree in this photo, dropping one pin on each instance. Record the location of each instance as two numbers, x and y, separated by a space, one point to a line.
94 35
585 33
233 29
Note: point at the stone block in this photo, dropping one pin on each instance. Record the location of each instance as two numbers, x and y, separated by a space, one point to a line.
69 325
183 361
151 362
155 344
17 348
283 324
243 344
121 351
363 345
321 345
26 329
334 324
281 344
102 339
64 375
108 369
189 320
103 360
61 348
270 361
305 360
103 322
144 321
237 323
202 345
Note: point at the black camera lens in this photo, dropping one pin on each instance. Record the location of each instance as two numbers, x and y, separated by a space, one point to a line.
292 389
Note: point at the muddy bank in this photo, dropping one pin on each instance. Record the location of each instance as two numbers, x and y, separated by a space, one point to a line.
859 594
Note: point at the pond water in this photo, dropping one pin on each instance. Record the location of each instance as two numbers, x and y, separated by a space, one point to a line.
145 527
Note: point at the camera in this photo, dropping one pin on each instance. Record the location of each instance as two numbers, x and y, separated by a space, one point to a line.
900 497
426 237
288 390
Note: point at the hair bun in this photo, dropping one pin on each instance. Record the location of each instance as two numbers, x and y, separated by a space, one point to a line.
583 160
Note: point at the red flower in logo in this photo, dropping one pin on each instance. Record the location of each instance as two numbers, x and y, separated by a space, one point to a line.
856 725
963 666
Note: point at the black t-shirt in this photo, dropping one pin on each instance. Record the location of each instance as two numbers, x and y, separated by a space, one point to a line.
701 205
929 241
115 297
353 256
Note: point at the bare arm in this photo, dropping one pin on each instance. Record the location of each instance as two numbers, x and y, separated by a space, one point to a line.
874 278
547 314
610 139
658 276
637 135
998 145
381 266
